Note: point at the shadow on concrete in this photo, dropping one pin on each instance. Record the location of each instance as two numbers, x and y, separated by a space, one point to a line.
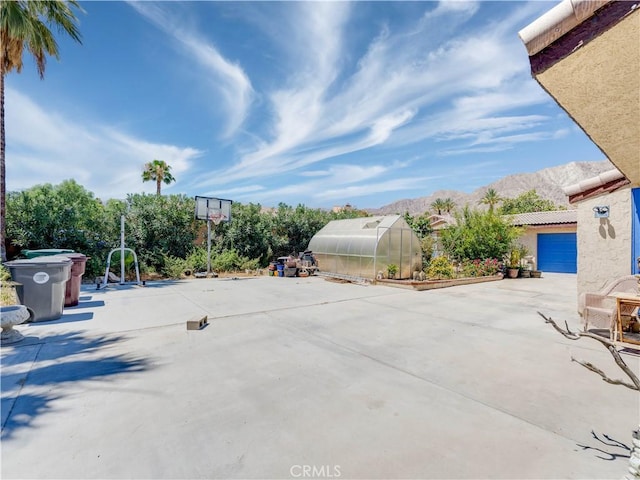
87 304
114 287
633 351
162 283
608 448
66 318
30 383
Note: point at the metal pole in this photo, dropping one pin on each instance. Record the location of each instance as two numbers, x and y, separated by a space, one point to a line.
121 249
208 246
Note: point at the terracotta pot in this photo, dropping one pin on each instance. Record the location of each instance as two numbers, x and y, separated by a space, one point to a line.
513 272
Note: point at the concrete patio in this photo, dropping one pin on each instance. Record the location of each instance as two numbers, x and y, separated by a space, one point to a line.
301 376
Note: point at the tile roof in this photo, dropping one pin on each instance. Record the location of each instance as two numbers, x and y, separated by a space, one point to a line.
606 182
556 22
593 182
544 218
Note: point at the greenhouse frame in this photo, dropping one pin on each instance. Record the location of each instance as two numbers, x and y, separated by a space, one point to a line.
365 247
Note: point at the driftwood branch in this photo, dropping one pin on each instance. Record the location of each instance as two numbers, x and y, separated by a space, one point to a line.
610 346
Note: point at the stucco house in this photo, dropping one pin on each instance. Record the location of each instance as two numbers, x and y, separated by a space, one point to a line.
550 238
586 55
608 220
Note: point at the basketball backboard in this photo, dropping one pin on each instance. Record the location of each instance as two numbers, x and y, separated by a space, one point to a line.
213 209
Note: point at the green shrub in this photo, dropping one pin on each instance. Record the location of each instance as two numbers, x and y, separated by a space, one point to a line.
478 235
5 275
59 216
480 268
250 264
7 290
147 269
428 246
157 226
440 268
527 202
174 267
197 259
514 258
227 261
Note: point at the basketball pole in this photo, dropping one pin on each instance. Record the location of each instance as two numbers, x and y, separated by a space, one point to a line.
208 246
122 250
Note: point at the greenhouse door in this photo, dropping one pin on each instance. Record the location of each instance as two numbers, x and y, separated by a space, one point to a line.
557 252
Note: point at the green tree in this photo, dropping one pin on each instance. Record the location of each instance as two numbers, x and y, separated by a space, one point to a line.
24 25
345 214
159 226
491 198
438 205
526 202
420 224
478 235
441 205
294 227
448 205
61 216
157 171
248 233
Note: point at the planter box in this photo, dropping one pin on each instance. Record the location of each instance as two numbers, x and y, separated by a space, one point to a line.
431 284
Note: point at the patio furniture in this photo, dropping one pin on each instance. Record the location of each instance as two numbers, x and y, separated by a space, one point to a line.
599 309
625 301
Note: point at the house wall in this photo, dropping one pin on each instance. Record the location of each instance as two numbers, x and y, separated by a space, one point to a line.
530 237
604 244
598 86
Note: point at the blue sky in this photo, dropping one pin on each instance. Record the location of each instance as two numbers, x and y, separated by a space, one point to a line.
320 103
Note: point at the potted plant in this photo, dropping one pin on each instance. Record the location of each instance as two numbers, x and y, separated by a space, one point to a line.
392 269
513 267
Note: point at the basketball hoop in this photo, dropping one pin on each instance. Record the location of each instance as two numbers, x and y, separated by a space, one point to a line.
216 216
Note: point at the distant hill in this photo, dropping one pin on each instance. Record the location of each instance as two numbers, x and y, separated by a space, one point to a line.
548 183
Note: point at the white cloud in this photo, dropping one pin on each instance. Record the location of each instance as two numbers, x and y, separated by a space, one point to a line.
445 82
343 181
395 95
226 78
457 7
354 191
249 189
103 159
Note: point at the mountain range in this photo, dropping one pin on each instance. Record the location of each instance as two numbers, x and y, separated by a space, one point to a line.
548 184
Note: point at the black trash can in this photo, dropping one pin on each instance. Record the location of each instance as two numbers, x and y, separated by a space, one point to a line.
42 282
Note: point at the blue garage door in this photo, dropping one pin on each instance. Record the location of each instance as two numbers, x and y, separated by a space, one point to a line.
557 252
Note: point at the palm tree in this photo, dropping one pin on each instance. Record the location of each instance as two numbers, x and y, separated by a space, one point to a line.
157 171
24 25
438 205
490 198
448 205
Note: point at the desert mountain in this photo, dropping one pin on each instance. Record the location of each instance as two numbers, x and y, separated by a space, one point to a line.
548 183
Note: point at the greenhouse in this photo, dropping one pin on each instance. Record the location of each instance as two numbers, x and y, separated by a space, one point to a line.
366 247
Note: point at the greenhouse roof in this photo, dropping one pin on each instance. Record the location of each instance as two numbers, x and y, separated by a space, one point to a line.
361 224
